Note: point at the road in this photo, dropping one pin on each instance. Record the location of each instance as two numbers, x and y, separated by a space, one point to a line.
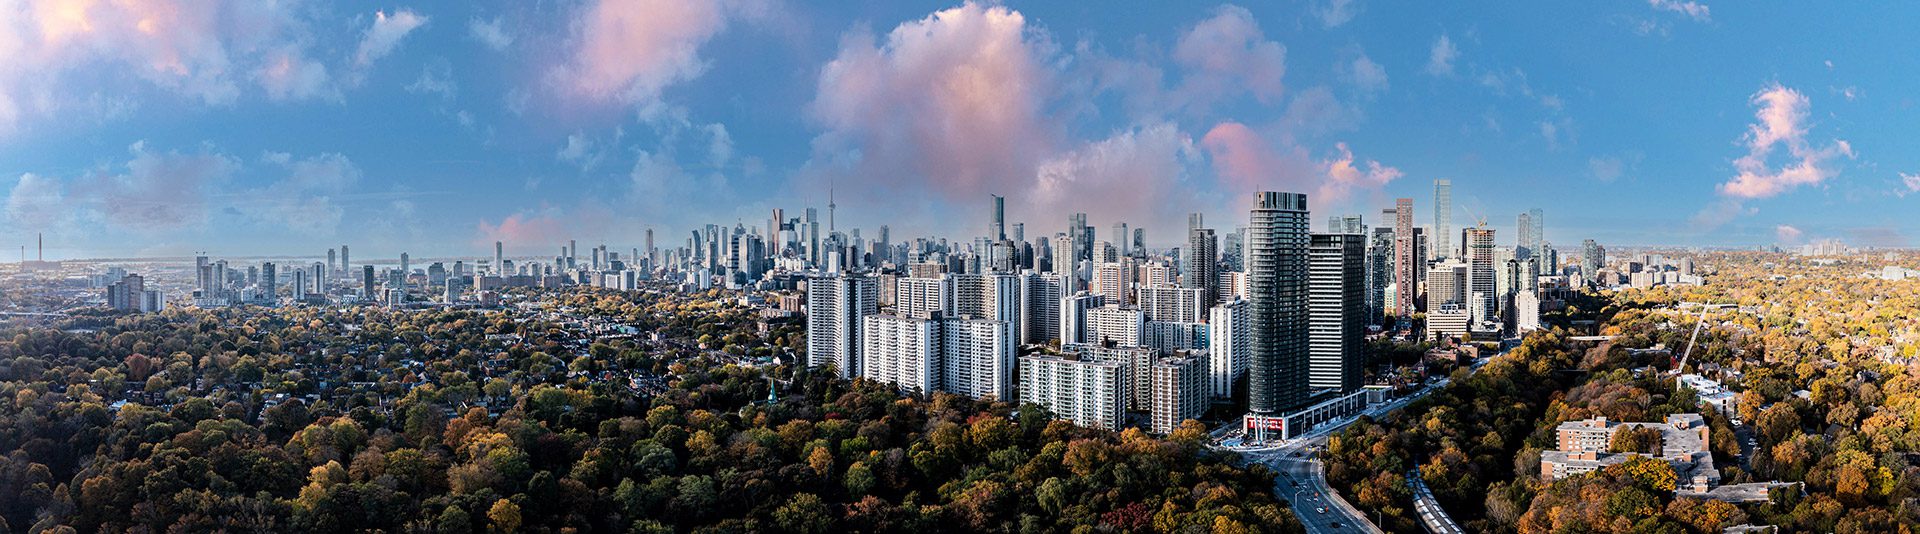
1301 478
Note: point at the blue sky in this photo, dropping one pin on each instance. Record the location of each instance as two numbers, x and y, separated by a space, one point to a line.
435 128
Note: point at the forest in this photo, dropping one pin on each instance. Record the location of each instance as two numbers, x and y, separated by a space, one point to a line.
514 420
1821 360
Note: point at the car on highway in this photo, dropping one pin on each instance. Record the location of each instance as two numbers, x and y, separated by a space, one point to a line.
1322 509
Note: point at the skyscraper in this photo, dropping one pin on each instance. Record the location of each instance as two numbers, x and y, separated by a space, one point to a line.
1443 218
1480 272
997 229
1119 238
1539 231
269 282
1203 260
1337 309
500 258
1277 242
346 262
366 282
1405 263
1523 237
1592 258
331 259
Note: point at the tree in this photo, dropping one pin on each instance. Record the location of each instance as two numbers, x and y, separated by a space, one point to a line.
803 513
505 516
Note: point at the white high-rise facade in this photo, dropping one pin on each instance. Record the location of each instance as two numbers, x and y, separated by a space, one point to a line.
901 351
1172 304
923 298
1229 339
1118 325
977 358
1337 310
836 306
1179 386
1090 393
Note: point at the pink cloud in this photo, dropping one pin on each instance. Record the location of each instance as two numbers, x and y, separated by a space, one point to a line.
1242 159
203 50
1781 120
628 51
1226 55
1344 177
954 101
1787 235
1138 175
522 231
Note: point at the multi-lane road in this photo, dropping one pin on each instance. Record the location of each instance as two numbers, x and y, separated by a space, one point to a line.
1301 478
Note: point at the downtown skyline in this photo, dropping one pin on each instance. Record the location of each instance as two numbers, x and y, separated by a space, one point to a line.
438 130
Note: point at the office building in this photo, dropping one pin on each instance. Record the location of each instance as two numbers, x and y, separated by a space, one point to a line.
1277 241
1336 307
1480 272
1443 220
1447 285
836 306
1203 260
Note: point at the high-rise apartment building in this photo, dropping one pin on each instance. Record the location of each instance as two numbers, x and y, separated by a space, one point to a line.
1090 392
1405 264
1044 291
1277 241
1179 389
1118 326
1229 339
1171 304
1115 280
836 306
923 298
977 357
1336 308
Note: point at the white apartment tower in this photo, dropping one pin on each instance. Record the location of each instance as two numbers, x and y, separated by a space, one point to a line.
835 308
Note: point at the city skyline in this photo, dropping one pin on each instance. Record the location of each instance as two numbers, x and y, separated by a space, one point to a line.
439 129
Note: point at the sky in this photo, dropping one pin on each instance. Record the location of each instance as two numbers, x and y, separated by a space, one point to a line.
242 127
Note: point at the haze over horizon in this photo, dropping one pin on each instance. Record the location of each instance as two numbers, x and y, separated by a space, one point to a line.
168 127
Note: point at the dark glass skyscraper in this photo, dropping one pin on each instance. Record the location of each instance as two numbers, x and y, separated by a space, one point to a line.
1277 239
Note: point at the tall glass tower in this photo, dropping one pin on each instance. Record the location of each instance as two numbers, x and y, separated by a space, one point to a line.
1278 234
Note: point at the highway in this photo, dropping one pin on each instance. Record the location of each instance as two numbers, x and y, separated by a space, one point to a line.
1301 478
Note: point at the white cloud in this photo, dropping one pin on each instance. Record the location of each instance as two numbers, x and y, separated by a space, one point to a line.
386 33
1138 174
492 33
1693 10
628 51
1788 235
954 103
1781 120
1606 169
1226 55
1911 183
1334 13
1440 57
1366 75
204 50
